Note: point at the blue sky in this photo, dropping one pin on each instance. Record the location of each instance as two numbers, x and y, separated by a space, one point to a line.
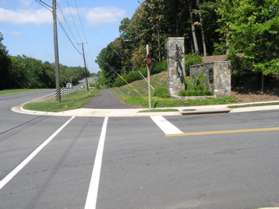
27 27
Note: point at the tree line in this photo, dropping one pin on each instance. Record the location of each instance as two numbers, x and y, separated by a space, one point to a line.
210 27
26 72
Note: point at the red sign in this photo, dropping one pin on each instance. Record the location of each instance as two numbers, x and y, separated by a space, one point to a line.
148 61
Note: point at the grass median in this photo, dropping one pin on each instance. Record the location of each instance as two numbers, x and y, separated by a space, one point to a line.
72 101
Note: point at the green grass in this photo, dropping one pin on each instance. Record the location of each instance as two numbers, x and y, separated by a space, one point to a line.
135 94
13 91
171 102
254 105
73 101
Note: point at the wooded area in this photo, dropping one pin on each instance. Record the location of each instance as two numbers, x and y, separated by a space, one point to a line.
26 72
248 28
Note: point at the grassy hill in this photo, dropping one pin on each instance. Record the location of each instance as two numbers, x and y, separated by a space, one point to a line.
136 94
139 88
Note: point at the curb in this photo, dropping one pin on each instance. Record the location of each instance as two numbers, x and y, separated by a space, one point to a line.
194 110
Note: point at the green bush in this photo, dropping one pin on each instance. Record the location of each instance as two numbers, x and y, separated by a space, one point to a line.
162 92
119 82
159 67
191 59
196 86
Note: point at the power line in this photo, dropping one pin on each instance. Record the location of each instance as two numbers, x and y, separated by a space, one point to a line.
68 37
74 20
80 21
48 7
67 25
45 5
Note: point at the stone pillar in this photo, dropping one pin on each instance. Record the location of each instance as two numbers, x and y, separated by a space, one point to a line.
176 66
222 78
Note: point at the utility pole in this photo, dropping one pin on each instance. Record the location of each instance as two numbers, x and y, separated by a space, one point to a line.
85 67
148 66
56 51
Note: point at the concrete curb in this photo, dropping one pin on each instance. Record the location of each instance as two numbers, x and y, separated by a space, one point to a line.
194 110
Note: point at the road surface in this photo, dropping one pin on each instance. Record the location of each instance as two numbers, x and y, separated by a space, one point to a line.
130 163
106 100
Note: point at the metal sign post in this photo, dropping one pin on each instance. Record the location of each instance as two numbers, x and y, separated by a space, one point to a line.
148 65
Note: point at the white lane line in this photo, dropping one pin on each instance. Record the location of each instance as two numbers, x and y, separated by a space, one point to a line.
31 156
167 127
91 200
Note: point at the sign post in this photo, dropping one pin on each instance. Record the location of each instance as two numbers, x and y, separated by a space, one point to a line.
148 65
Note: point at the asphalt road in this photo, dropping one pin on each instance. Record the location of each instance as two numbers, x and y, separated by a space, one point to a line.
106 100
129 163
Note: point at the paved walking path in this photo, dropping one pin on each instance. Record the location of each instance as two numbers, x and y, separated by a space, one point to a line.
107 100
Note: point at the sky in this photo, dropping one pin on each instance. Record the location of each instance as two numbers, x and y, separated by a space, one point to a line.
27 28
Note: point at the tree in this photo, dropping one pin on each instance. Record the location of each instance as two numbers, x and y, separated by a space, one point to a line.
251 27
152 23
5 64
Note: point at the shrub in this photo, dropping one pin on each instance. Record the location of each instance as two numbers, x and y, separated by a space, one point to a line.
196 86
119 82
191 59
162 92
159 67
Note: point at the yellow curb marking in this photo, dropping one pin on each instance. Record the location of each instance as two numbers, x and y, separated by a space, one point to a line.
225 132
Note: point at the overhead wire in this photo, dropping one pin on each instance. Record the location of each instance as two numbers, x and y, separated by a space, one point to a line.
74 20
48 7
75 4
67 24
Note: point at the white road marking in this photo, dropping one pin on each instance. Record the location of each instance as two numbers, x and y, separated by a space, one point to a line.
167 127
91 200
31 156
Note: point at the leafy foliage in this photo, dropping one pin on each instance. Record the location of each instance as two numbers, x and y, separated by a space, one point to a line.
196 86
152 23
5 63
251 27
191 59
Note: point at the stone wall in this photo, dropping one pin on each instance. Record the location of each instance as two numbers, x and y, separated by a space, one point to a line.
218 76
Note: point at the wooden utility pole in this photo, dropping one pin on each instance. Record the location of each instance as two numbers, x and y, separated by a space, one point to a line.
56 51
148 66
85 67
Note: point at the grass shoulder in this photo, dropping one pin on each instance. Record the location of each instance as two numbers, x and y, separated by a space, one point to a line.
72 101
158 102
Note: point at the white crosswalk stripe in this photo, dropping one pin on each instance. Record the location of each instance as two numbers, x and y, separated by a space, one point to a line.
167 127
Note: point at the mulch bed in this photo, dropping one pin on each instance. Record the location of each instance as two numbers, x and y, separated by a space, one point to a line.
254 97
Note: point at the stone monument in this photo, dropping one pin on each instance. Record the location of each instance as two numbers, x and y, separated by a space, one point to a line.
218 76
176 67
